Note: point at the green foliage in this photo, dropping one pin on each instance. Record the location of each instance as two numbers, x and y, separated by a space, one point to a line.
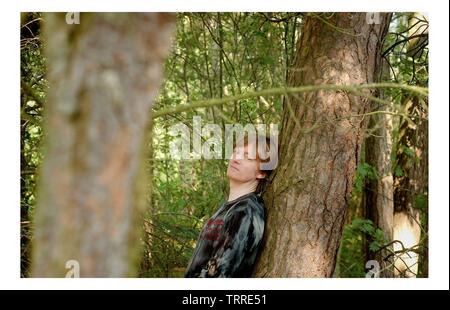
367 227
34 87
398 172
352 254
354 240
214 55
421 202
364 172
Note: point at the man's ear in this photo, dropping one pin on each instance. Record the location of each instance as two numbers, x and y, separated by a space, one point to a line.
261 175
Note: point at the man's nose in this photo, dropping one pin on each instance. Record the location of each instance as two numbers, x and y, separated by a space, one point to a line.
234 160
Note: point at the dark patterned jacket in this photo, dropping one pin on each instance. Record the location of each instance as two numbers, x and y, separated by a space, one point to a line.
228 243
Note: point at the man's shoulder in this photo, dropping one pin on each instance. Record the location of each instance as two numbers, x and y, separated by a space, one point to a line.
250 204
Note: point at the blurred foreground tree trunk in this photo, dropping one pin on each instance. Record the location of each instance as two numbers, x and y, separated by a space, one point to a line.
104 73
319 144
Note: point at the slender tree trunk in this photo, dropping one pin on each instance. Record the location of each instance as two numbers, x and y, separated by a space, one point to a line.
307 198
411 193
379 194
104 74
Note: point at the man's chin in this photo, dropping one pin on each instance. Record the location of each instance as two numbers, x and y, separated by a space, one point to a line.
236 179
232 175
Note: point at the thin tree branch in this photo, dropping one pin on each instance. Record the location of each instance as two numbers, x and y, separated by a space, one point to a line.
421 91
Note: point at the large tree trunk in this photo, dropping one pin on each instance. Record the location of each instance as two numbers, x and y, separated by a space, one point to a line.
379 194
307 198
103 74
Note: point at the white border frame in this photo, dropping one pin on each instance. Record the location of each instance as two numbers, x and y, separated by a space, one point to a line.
438 146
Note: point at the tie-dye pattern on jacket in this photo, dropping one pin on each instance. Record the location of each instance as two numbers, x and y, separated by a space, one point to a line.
228 243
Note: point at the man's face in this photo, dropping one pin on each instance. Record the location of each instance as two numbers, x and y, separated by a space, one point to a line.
242 168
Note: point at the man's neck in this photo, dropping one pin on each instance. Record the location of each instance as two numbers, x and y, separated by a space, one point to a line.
240 189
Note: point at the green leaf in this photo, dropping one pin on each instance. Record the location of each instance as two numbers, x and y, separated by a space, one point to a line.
398 172
379 236
408 151
421 202
373 247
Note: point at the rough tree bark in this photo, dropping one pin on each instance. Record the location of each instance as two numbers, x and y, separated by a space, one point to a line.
103 74
309 191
